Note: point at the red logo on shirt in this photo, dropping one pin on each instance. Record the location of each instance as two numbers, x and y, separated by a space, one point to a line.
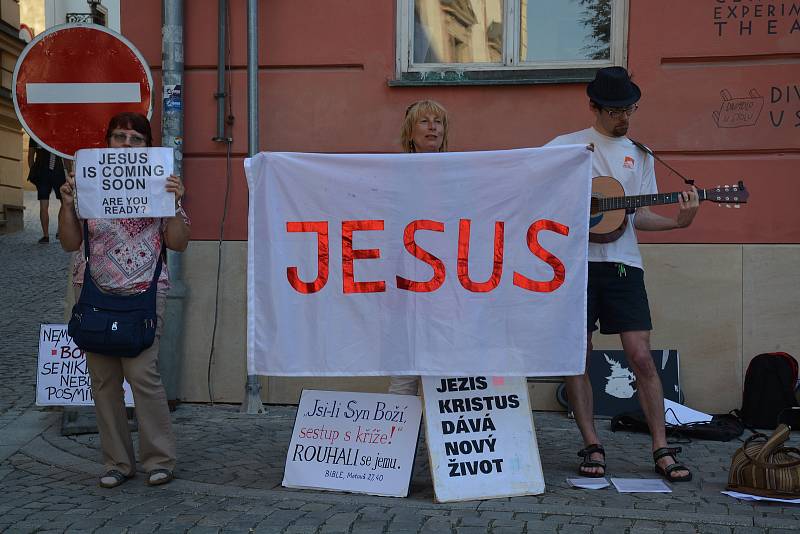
628 163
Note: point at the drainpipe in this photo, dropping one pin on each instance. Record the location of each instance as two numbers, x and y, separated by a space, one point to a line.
171 349
252 395
221 94
252 77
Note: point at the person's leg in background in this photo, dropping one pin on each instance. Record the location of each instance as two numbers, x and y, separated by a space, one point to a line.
404 385
57 191
43 194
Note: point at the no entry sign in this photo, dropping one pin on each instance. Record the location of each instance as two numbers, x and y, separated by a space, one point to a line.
71 79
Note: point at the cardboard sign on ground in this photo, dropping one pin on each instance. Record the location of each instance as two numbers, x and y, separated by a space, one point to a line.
357 442
116 183
481 439
62 377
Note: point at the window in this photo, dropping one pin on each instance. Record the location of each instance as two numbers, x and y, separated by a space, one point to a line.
507 41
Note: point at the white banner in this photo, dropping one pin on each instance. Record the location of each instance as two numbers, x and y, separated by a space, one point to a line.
115 183
62 377
433 264
359 442
481 438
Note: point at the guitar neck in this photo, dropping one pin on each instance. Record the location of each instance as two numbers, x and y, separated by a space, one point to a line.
637 201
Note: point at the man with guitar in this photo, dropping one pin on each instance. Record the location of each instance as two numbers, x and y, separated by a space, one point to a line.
616 290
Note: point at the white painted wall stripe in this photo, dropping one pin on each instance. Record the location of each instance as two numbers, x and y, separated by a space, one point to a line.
83 93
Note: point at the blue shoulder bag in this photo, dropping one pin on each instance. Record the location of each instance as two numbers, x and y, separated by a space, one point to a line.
114 325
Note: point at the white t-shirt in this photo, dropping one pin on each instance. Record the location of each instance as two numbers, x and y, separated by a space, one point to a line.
634 169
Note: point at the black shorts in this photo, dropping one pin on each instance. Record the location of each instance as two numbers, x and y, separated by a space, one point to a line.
617 297
44 178
44 186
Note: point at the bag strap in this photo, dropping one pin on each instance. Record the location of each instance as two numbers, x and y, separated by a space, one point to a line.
86 253
772 465
777 439
738 415
647 150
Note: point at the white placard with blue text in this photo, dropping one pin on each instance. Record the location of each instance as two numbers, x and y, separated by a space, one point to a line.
62 378
116 183
357 442
481 439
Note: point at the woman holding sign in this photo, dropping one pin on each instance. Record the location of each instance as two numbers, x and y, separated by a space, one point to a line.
124 254
424 130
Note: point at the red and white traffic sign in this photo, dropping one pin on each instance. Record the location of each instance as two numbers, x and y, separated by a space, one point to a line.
71 79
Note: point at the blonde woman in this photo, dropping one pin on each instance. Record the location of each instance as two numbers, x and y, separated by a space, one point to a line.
424 130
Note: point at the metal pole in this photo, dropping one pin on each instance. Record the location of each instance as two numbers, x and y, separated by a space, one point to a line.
252 398
252 77
171 348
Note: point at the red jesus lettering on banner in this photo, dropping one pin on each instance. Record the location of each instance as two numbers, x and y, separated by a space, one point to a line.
321 228
463 258
420 253
349 255
533 244
349 284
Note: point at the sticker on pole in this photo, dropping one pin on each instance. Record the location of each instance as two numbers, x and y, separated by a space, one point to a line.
62 376
114 183
71 79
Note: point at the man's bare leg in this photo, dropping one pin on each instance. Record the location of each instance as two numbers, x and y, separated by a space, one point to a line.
579 392
651 394
44 217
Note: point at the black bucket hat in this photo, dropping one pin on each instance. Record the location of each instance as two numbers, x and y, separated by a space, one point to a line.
612 87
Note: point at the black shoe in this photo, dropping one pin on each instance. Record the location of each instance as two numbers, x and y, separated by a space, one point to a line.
45 239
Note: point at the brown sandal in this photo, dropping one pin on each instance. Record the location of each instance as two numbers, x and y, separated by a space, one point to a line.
667 472
588 463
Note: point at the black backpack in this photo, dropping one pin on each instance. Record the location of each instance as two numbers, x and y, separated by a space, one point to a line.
769 385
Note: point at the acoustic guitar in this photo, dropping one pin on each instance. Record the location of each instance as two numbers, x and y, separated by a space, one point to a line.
609 205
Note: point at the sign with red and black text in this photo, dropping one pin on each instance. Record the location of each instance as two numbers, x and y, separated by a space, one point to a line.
358 442
418 264
62 375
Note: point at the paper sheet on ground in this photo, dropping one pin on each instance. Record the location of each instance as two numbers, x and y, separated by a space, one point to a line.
640 485
678 414
588 483
748 497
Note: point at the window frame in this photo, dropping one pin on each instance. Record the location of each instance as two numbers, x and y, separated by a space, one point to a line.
512 70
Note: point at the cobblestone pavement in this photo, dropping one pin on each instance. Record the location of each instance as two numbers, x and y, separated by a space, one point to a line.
231 465
34 279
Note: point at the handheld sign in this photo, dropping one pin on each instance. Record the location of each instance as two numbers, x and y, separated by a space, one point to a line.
481 439
358 442
62 377
114 183
71 79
